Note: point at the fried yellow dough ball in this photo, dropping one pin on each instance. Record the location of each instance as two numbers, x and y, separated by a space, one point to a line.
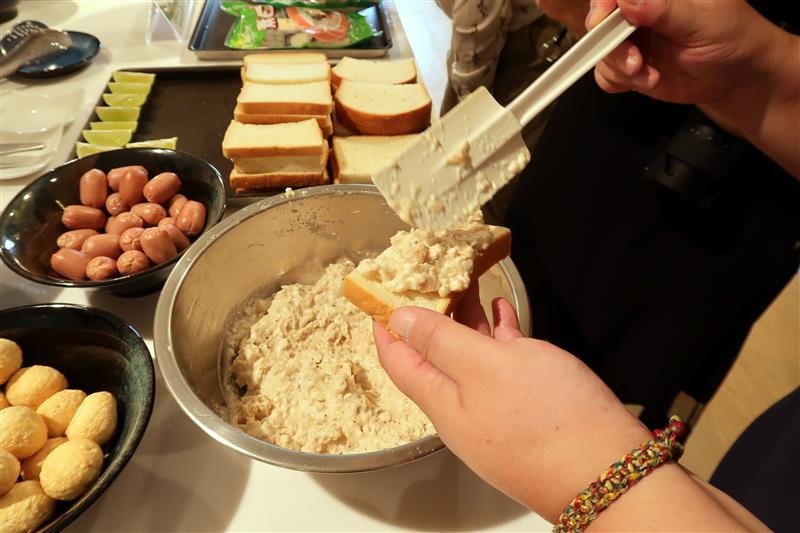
34 384
70 468
10 359
32 466
24 508
58 410
3 401
95 419
9 471
22 431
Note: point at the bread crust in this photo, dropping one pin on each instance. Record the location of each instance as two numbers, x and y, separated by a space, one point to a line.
412 121
379 303
336 79
271 180
324 121
287 107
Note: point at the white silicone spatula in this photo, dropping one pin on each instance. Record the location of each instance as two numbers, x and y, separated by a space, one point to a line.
458 163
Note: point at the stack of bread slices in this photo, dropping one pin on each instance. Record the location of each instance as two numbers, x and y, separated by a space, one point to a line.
277 137
380 107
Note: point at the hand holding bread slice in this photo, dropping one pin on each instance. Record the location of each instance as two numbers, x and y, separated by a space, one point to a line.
425 268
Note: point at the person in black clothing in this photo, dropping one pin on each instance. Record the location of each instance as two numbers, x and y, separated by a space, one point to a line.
649 239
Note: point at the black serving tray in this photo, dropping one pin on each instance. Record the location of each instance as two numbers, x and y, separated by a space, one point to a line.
194 104
208 37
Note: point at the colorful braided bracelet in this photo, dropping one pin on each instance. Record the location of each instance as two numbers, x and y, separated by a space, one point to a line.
621 476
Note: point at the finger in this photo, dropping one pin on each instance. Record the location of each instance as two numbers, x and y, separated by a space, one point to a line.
675 19
598 11
456 350
470 311
506 325
416 377
610 80
646 81
626 59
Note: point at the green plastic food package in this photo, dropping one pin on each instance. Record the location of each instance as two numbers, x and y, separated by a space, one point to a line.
275 26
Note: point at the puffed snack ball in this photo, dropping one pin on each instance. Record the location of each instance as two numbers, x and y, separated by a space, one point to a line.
9 471
32 385
95 419
24 508
10 359
70 468
57 411
32 466
22 431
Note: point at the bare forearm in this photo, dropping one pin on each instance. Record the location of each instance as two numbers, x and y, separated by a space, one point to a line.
667 500
766 112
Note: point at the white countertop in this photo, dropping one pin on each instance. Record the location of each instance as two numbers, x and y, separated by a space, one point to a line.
180 479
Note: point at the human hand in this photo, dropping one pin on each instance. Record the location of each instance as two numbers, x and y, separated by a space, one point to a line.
529 418
688 51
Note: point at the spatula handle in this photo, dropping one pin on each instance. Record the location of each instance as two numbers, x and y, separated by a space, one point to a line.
569 68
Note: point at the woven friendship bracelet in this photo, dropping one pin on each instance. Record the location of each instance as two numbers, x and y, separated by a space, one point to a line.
621 476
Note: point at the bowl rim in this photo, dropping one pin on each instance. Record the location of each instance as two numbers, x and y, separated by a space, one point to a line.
116 463
233 437
90 284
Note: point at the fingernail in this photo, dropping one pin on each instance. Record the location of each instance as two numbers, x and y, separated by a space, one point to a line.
401 322
588 21
632 60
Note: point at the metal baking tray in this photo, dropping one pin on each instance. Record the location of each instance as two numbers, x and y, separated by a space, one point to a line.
208 37
196 105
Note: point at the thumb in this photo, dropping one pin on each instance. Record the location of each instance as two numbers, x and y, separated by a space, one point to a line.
674 19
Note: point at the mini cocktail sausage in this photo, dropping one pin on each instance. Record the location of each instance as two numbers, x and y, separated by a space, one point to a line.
149 212
106 245
131 262
175 204
93 188
74 238
83 217
131 185
123 221
115 174
70 263
192 218
115 205
158 245
129 240
178 237
101 267
162 187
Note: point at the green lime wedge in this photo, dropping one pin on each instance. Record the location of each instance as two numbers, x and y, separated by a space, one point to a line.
170 143
108 137
84 149
115 113
118 87
133 77
124 100
115 125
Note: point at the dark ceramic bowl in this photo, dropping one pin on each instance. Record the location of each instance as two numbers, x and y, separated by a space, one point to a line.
31 222
96 351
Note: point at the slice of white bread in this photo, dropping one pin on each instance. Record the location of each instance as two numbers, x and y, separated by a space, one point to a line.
241 181
324 121
376 300
289 99
380 109
356 159
287 73
264 140
284 57
374 71
285 163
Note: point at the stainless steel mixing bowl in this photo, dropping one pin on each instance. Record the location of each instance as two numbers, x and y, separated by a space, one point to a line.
278 241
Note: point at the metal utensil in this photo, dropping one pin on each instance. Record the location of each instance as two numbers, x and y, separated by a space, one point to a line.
31 44
463 159
16 148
